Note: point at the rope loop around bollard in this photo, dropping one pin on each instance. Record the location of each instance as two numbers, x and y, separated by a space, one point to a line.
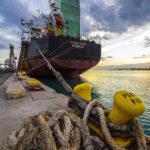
140 137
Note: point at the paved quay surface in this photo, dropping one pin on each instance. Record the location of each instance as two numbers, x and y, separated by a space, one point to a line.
14 111
4 75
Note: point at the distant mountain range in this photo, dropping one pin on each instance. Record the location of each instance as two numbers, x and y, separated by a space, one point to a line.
140 66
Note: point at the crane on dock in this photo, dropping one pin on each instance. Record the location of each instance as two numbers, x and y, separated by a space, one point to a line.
10 63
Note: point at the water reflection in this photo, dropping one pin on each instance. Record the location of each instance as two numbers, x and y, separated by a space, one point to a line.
106 83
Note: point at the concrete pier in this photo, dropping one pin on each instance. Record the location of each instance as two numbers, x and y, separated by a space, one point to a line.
14 111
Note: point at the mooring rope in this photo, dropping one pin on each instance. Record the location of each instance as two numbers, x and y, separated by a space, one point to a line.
43 63
46 131
58 55
140 137
109 139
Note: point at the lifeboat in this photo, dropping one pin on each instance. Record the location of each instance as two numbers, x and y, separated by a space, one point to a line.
58 20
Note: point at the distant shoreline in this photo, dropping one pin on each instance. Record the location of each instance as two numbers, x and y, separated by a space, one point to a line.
121 69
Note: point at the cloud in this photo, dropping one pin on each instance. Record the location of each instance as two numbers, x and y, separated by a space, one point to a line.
107 58
13 11
1 19
2 46
10 29
8 35
147 41
114 15
107 36
143 56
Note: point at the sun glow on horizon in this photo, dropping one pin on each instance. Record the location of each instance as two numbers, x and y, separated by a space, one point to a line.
123 61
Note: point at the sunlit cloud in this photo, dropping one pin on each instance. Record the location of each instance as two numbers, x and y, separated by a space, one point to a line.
109 2
111 61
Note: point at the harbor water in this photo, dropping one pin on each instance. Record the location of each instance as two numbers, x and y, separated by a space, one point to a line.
105 83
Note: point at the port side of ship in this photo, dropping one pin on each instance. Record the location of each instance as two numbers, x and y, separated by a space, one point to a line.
67 53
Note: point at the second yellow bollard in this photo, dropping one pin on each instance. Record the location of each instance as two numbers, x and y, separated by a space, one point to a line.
83 90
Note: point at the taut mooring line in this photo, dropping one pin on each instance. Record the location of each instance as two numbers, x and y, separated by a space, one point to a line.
60 78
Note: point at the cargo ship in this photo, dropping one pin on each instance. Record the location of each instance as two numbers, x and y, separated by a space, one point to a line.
58 37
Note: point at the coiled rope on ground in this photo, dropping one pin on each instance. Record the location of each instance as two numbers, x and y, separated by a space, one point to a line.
46 131
65 131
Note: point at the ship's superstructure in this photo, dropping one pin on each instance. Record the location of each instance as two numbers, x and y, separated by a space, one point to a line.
64 19
58 36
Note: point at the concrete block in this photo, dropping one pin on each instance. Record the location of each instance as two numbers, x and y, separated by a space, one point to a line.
15 90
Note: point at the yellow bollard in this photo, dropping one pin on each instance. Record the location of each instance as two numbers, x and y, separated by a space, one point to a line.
123 110
83 90
126 106
32 82
24 73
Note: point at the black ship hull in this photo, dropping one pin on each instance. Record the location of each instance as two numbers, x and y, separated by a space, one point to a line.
69 56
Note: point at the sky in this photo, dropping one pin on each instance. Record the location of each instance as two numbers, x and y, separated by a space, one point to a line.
121 26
